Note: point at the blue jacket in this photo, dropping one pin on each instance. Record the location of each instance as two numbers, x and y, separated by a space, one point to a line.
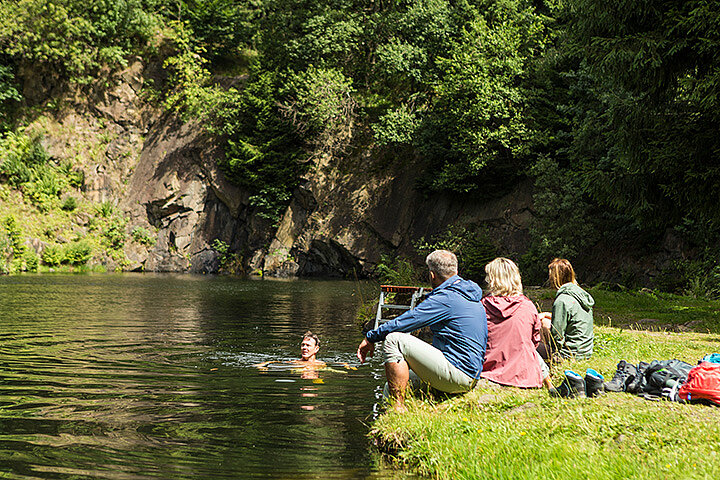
456 316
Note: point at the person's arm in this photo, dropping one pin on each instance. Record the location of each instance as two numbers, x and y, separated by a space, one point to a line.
431 311
536 327
560 315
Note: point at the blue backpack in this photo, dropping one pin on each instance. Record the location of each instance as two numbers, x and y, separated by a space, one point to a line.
713 357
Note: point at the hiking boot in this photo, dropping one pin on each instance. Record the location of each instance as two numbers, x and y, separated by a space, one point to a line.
593 383
638 383
573 386
626 373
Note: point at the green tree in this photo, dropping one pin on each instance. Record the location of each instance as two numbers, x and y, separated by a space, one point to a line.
222 27
655 67
264 152
478 117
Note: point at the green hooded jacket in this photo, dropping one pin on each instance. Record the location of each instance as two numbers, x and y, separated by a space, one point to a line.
572 321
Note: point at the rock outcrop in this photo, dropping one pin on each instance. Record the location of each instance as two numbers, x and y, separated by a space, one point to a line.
162 175
178 190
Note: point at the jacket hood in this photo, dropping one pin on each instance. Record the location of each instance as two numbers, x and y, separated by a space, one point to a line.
466 288
502 307
585 300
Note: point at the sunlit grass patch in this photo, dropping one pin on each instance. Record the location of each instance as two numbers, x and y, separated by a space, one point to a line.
509 433
655 310
527 434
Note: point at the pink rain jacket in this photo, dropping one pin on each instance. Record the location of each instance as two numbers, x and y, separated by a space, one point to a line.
511 357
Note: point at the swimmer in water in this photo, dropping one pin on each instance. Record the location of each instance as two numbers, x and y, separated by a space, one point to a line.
309 347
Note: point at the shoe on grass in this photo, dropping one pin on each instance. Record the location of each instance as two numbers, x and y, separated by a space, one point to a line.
626 373
638 383
572 387
593 383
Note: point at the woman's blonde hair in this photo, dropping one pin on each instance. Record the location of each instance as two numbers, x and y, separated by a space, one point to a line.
503 278
560 272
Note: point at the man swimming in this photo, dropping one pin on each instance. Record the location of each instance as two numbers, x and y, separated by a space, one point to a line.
309 347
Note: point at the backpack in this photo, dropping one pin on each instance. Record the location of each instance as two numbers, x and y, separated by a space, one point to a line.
663 378
703 383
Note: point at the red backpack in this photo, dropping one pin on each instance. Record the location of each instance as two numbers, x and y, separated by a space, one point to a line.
703 383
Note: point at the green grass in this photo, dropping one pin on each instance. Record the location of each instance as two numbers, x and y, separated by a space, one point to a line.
654 310
646 310
502 432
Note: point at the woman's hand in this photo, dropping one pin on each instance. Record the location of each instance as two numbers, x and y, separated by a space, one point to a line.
545 320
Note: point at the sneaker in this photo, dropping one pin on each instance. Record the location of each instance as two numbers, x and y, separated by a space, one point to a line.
572 387
593 383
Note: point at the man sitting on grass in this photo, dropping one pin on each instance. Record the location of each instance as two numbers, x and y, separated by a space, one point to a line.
456 317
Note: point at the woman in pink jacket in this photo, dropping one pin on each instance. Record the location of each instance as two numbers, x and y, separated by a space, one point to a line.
511 357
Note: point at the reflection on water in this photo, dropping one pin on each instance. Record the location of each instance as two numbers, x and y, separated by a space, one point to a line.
152 376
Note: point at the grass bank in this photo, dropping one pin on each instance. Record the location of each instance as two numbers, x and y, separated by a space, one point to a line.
497 432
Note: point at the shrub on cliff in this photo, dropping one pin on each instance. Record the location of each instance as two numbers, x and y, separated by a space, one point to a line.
113 234
24 164
52 255
9 94
30 260
72 37
19 154
142 236
77 253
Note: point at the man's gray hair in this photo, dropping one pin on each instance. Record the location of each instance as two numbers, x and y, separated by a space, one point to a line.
442 263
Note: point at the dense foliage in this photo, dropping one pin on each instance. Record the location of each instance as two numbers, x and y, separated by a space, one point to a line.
75 37
635 151
610 107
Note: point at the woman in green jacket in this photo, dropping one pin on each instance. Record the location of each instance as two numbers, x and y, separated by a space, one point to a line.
568 328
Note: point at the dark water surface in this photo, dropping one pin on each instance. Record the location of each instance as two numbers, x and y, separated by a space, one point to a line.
151 376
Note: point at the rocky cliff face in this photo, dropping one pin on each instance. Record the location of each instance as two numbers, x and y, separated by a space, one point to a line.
349 212
346 213
163 174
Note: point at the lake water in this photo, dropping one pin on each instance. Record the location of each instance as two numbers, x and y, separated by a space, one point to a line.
151 376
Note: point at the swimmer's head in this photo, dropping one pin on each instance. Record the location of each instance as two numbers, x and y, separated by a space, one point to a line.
309 346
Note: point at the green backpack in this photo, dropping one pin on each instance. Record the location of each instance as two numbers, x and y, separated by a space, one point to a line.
663 378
